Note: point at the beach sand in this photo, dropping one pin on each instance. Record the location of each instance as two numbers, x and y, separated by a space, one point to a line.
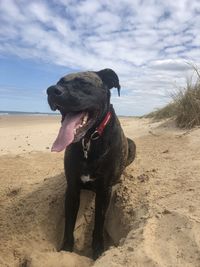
154 215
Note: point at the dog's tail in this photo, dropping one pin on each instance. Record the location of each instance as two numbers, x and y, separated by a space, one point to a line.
131 151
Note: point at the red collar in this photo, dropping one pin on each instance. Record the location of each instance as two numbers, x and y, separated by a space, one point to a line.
99 130
95 135
104 123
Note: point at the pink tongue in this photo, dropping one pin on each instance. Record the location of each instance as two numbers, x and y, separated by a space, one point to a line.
66 132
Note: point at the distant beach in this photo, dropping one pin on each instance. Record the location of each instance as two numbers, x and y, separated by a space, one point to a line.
8 112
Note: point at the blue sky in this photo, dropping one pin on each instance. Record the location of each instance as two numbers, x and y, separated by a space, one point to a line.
147 43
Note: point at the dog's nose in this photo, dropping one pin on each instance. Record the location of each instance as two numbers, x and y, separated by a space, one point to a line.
53 90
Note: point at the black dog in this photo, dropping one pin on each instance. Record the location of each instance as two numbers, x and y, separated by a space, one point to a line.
97 150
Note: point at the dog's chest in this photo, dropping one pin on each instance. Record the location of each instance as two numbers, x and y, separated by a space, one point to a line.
91 169
88 171
86 178
92 161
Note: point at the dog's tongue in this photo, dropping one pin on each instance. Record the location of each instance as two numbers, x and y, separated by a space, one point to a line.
66 132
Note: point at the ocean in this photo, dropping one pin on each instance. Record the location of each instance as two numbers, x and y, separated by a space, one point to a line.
8 112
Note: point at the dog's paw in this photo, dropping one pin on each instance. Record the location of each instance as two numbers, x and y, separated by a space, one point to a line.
97 252
67 247
131 151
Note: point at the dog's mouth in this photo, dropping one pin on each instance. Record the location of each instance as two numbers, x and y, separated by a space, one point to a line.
74 126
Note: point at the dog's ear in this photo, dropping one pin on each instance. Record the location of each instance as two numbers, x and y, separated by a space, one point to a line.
109 78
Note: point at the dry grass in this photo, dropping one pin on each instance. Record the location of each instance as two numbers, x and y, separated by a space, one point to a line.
188 106
166 112
185 106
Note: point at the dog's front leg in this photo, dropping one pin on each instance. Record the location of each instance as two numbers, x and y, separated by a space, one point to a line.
101 204
72 201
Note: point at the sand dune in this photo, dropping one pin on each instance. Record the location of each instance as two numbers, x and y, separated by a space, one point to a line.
154 215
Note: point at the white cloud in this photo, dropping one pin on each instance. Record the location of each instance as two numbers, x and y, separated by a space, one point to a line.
146 42
171 65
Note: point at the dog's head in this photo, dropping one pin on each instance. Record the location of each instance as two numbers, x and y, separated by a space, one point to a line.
83 99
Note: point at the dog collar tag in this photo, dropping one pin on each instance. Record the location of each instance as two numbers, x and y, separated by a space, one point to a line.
86 147
85 154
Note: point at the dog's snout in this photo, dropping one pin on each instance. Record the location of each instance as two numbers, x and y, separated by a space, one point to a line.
53 90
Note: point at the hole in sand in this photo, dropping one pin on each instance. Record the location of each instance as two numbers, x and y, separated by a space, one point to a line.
84 226
124 213
32 220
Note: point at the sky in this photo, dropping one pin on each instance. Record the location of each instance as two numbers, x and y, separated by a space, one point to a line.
150 44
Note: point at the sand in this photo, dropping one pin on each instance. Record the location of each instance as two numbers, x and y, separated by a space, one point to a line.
154 215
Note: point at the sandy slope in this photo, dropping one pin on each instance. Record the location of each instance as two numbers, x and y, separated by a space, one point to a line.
154 215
